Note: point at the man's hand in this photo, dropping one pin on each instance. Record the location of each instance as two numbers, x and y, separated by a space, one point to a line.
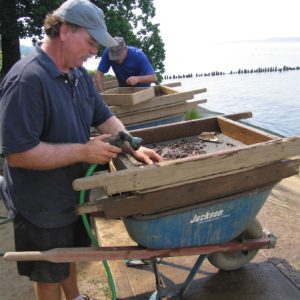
132 80
99 151
147 156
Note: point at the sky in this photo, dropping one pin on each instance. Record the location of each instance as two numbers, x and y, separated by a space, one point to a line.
190 28
183 22
194 24
189 21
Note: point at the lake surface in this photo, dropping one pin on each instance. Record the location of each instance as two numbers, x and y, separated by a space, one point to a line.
273 98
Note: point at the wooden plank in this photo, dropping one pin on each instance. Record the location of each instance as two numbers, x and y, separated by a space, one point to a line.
109 78
59 255
198 167
161 107
160 112
243 133
167 90
172 84
198 91
109 84
127 95
191 193
154 102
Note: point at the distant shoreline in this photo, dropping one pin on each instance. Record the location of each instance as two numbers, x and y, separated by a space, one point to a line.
239 72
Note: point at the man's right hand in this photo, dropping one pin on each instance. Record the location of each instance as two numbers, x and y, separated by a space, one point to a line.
99 151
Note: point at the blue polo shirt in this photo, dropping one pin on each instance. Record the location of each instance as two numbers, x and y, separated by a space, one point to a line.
136 63
39 103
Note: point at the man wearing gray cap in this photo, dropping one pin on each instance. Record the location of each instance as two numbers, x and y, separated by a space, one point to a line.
130 65
48 103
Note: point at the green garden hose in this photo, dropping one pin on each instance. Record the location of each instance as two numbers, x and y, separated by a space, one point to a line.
5 219
94 241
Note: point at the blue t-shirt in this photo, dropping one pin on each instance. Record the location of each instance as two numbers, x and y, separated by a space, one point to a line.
136 63
40 103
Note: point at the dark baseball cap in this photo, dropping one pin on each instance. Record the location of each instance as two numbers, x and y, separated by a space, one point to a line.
115 52
89 16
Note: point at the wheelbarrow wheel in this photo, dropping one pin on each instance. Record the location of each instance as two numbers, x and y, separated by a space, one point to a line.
228 261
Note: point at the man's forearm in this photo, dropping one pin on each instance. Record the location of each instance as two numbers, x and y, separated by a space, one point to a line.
148 78
99 81
112 125
47 156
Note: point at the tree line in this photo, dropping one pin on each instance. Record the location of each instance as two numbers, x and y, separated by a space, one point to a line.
131 19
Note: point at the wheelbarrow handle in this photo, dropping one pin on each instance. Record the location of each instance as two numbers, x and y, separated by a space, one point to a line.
132 252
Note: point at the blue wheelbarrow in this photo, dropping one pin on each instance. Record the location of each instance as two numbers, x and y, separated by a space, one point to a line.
213 223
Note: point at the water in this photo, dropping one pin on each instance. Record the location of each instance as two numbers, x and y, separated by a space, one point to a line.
272 97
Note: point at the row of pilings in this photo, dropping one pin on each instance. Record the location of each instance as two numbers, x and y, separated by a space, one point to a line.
239 71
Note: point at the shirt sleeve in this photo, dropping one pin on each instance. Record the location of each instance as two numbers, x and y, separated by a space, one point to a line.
21 119
146 67
104 64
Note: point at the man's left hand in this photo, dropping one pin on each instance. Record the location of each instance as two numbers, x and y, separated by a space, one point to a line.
147 156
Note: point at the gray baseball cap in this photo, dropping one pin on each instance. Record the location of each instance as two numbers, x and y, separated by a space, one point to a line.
86 14
115 52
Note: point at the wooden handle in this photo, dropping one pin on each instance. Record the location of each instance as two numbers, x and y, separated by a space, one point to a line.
60 255
198 91
24 256
238 116
173 84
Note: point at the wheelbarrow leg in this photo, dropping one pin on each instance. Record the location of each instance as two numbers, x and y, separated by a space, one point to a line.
158 282
157 295
191 276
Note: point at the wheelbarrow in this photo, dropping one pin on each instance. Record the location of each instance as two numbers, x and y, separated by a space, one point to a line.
226 232
231 219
